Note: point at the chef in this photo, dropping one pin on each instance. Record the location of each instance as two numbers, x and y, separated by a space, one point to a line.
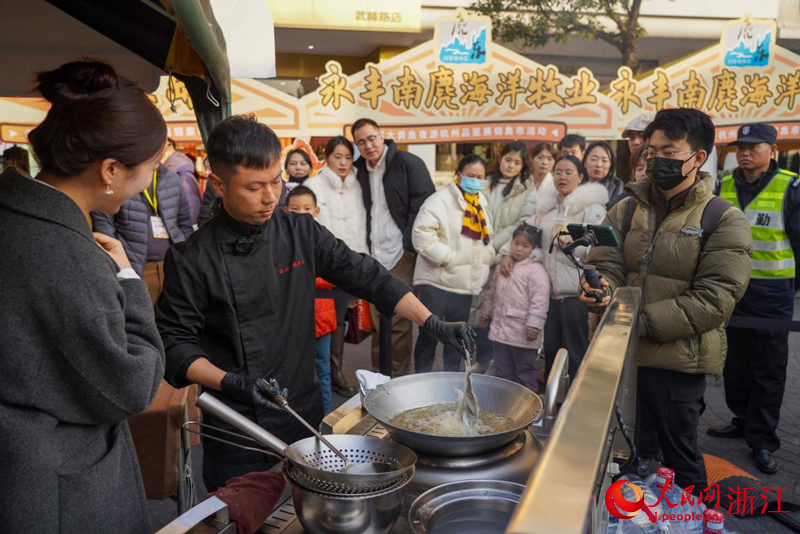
238 299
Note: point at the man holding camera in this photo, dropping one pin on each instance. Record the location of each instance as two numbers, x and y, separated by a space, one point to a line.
690 255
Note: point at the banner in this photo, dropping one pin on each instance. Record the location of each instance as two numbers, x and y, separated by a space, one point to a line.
746 78
461 87
479 90
273 107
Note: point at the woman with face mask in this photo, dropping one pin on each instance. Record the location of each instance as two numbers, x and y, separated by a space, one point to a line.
600 166
567 322
452 236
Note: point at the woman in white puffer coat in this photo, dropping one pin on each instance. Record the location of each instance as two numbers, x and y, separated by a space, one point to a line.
452 236
342 211
339 198
569 202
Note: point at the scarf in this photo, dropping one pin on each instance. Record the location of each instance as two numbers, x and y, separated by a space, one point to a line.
474 222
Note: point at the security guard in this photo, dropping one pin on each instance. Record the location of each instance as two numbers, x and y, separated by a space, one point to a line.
755 370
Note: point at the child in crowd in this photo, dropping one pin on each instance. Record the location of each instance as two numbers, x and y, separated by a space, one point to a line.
517 306
301 199
298 167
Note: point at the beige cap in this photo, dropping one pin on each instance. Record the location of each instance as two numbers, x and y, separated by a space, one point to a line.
638 124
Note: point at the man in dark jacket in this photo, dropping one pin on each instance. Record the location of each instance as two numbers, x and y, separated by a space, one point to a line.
755 370
689 289
148 224
395 184
238 301
179 163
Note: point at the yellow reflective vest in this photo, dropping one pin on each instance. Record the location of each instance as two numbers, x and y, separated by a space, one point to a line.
773 256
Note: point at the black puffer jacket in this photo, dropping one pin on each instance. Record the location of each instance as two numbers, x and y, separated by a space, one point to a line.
406 183
130 224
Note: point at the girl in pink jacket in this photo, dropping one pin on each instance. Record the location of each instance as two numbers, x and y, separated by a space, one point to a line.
517 307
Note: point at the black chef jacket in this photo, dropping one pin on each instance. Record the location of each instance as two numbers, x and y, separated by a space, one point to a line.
249 309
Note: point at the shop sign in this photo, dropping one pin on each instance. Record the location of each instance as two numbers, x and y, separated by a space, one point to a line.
462 40
359 15
748 42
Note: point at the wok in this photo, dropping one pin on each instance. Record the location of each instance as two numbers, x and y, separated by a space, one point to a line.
494 394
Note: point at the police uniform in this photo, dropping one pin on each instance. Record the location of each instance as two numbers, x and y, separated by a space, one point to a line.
755 368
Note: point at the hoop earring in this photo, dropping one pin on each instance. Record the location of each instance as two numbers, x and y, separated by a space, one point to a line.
109 192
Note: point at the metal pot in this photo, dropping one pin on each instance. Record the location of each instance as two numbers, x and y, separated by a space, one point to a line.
371 513
465 507
494 394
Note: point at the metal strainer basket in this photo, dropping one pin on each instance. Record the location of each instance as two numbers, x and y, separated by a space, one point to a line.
314 466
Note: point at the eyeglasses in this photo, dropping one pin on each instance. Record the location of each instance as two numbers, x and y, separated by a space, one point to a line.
368 141
651 155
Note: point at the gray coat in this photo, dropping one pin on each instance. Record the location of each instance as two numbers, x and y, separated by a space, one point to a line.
80 353
131 226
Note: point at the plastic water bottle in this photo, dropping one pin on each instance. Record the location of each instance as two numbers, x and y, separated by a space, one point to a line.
713 523
640 523
665 477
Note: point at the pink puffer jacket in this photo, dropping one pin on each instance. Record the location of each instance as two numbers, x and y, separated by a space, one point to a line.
518 302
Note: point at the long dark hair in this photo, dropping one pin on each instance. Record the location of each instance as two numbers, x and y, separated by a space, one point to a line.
96 114
610 151
333 142
524 173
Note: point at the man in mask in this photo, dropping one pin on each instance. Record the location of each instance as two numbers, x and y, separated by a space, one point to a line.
755 370
690 281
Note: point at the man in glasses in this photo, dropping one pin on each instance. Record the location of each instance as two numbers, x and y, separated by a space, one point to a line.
691 274
395 184
755 370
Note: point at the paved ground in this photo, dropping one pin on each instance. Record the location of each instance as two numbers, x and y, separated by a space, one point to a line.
735 451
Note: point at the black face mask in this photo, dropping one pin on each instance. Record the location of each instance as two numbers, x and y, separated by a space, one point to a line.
666 173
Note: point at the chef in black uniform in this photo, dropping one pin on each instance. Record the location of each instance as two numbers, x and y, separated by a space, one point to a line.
238 299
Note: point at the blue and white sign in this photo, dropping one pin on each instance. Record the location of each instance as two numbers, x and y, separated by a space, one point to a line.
463 40
748 43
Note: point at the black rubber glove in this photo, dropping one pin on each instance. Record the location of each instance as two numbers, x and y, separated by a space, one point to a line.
253 391
459 336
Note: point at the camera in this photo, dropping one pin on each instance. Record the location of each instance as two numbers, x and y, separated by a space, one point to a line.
588 235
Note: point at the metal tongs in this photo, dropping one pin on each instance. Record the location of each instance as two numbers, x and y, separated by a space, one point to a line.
468 410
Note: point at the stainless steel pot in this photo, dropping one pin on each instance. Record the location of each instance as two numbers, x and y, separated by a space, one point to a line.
372 513
494 394
465 507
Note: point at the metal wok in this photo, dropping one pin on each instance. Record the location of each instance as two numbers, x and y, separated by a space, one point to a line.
494 394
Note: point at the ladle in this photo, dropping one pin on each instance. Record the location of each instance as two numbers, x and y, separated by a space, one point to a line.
364 468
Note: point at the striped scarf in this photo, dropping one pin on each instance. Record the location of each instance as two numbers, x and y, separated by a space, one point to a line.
474 223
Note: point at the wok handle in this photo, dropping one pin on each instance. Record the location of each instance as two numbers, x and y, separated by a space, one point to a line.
216 407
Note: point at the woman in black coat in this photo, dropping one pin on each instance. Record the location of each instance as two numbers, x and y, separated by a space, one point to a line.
80 351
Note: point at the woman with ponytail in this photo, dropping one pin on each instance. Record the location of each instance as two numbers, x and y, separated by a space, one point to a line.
80 352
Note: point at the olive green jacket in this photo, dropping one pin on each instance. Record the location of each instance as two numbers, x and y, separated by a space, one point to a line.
687 295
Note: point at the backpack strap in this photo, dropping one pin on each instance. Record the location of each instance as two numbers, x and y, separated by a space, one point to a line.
712 213
627 219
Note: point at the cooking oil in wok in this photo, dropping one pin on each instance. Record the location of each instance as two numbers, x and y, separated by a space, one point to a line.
441 420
